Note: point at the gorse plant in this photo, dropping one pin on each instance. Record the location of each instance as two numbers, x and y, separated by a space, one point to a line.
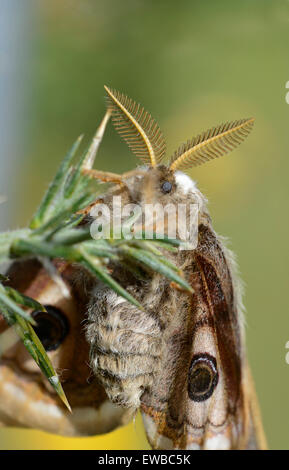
54 232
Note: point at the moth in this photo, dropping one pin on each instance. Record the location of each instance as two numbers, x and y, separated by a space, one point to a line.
181 360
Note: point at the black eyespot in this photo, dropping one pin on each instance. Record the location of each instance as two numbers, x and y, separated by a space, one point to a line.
203 377
52 327
166 187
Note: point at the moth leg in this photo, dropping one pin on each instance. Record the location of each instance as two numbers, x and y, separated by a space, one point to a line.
104 176
108 177
131 173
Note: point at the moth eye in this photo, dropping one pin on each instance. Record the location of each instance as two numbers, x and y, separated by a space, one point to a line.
203 377
52 327
166 187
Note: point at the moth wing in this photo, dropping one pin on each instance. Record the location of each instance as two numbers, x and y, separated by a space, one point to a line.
256 438
203 395
26 397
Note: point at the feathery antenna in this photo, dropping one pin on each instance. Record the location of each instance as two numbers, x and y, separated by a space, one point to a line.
136 126
211 144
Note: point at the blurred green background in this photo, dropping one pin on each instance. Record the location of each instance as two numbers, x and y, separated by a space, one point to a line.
192 64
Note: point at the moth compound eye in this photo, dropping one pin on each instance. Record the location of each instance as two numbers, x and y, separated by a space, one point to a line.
51 327
203 377
166 187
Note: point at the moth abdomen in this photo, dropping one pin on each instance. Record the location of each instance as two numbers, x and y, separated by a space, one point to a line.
124 375
125 347
126 366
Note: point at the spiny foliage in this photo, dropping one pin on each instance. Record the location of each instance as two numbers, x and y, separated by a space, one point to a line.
54 233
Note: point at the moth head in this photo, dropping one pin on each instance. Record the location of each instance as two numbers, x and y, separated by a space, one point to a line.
159 179
144 137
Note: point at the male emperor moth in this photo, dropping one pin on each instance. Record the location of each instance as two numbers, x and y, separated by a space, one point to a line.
181 360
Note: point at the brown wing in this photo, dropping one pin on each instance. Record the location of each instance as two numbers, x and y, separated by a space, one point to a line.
202 398
26 398
256 438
